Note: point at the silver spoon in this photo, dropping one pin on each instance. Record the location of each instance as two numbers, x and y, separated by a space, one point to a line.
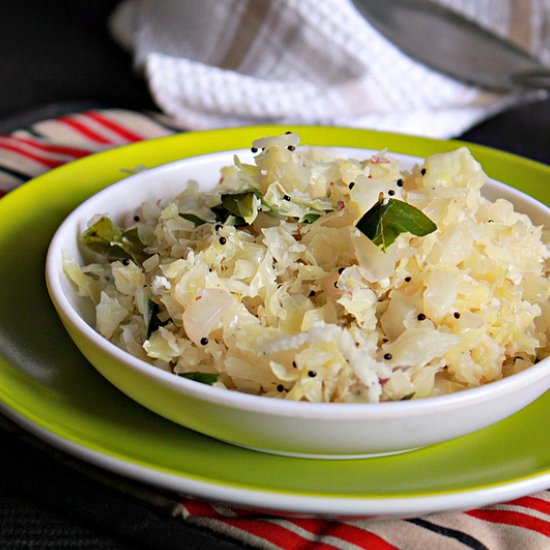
452 44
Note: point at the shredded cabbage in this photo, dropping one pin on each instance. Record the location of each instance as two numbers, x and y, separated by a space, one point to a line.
265 284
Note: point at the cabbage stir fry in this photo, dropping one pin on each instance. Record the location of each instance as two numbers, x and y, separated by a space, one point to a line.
311 278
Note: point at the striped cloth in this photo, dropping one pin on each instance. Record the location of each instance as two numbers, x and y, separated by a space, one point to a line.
47 144
522 524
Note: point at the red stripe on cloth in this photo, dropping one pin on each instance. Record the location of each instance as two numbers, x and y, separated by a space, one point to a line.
113 126
276 534
84 130
51 148
533 503
50 163
346 532
513 518
202 509
287 538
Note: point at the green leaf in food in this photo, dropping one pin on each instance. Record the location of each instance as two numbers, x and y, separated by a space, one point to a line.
153 319
407 397
234 221
224 216
192 218
244 205
132 244
220 211
109 240
202 377
310 217
386 220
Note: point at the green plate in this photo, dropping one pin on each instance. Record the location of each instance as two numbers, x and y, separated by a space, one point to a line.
50 389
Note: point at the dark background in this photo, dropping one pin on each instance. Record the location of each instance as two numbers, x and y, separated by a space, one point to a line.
60 52
56 56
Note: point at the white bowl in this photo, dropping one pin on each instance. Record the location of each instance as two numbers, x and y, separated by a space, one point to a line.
324 430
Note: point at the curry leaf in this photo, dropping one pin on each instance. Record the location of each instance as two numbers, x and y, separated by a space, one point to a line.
108 239
153 319
310 217
224 216
100 236
192 218
386 220
203 377
243 205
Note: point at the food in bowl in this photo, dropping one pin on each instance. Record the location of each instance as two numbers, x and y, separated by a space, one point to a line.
320 279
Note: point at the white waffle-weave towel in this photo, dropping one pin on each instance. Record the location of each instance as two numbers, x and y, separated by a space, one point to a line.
217 63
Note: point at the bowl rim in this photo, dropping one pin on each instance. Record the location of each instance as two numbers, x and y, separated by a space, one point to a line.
251 402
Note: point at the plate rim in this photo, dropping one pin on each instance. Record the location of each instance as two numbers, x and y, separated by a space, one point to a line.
289 503
306 504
